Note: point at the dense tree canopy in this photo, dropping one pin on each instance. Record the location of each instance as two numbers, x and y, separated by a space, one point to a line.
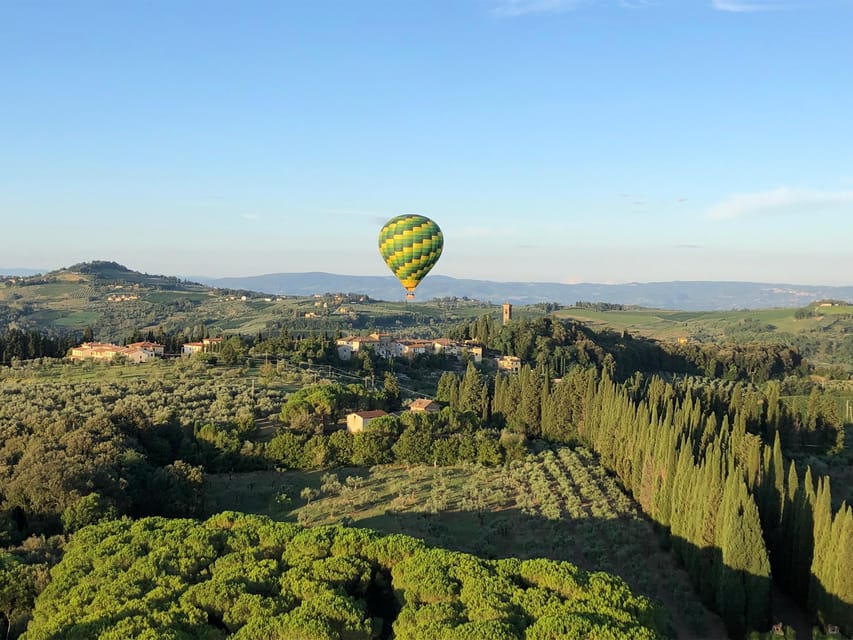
247 577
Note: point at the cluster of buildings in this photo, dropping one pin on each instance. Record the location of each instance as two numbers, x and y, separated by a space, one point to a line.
104 351
138 351
386 346
357 420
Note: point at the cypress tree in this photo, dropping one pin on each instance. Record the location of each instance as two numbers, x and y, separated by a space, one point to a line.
470 391
497 396
531 401
707 511
485 402
729 591
778 482
743 584
822 560
765 486
683 504
756 570
787 531
639 453
803 536
772 421
839 605
448 388
511 400
666 478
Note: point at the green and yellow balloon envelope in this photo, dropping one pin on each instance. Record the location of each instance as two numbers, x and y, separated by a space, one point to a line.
410 245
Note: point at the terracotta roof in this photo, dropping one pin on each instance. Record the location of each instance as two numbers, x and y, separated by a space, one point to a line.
422 403
99 346
370 414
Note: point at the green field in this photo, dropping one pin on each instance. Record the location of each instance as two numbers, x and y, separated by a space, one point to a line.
76 319
664 324
160 297
821 335
560 505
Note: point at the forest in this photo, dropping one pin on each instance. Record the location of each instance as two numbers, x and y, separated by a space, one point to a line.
727 450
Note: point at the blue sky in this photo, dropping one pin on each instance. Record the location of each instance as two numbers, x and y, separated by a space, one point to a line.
552 140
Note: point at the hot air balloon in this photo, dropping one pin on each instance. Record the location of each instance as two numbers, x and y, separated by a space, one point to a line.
410 245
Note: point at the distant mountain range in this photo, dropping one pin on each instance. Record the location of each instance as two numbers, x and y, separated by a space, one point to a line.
14 271
687 296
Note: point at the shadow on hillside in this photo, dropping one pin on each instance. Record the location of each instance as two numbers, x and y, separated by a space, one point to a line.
625 546
586 542
837 612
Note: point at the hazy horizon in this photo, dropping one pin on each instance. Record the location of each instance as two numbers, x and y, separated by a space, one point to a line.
190 276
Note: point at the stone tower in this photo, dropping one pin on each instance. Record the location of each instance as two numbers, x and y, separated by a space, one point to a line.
507 309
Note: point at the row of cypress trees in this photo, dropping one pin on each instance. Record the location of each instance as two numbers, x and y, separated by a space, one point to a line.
693 454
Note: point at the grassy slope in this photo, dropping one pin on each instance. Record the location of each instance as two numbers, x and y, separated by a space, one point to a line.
73 301
761 325
663 324
481 514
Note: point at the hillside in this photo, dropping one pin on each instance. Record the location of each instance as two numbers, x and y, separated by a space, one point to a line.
102 295
115 301
821 331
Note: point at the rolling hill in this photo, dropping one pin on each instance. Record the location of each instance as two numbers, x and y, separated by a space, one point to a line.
114 301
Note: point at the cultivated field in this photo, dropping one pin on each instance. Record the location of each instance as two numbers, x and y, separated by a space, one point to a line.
559 504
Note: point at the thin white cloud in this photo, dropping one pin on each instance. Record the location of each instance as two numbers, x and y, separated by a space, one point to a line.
250 216
736 6
781 201
514 8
